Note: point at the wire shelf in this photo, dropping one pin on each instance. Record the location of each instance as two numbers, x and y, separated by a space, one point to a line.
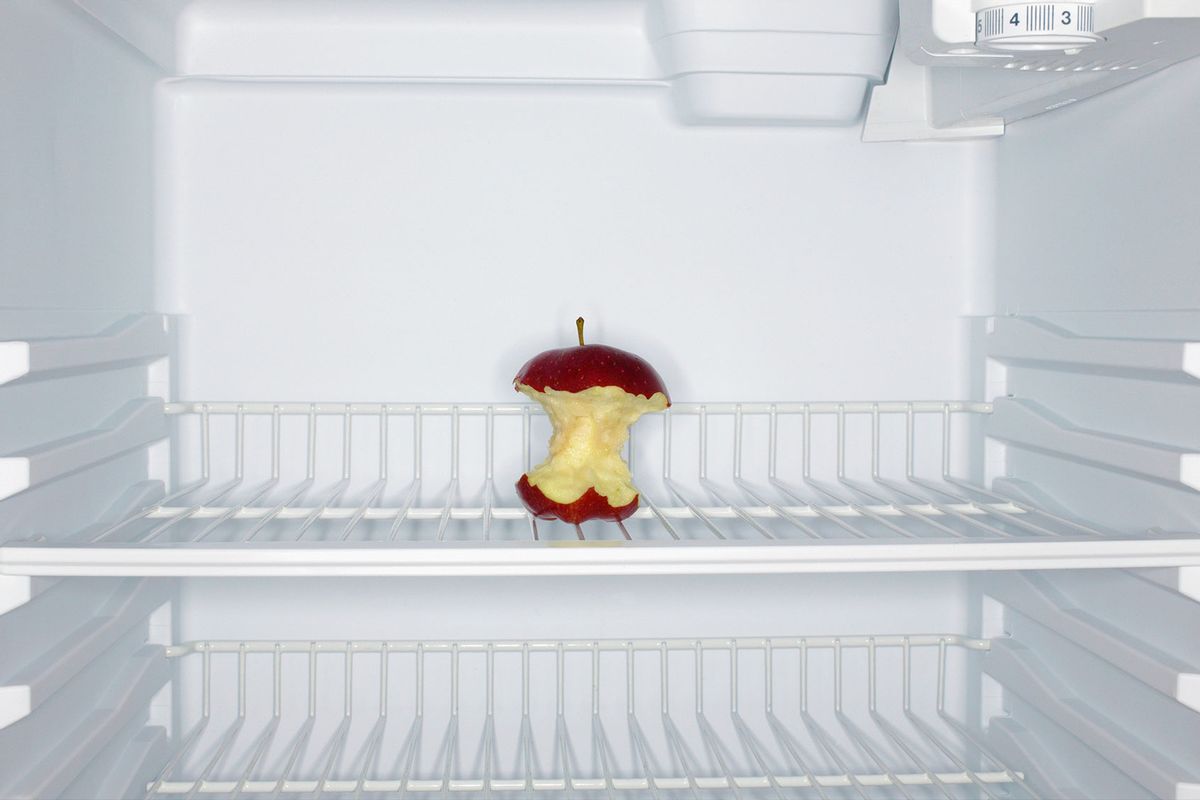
820 717
428 489
828 479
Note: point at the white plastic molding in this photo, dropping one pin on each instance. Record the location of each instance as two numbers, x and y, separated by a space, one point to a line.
1184 580
14 361
1028 595
135 425
1020 671
749 61
767 62
16 702
945 84
1026 424
39 680
1034 341
117 705
135 339
17 590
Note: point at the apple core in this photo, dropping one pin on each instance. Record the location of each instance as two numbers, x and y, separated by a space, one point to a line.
592 395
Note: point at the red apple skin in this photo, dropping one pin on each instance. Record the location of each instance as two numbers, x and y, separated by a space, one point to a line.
590 505
573 369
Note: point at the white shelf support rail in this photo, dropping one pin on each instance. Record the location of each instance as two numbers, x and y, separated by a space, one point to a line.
123 700
125 766
1028 425
1028 340
1020 745
39 679
17 590
135 425
1018 670
132 340
1031 596
1183 580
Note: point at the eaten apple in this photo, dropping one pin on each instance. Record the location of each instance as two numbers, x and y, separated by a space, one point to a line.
592 393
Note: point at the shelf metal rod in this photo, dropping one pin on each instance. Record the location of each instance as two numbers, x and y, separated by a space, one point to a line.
233 511
820 736
924 729
696 512
599 736
974 738
409 753
372 495
788 743
374 740
518 409
263 743
279 509
751 744
331 499
714 746
575 645
183 491
158 530
860 738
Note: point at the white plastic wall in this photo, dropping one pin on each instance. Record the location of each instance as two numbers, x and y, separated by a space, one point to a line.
76 183
1097 204
388 240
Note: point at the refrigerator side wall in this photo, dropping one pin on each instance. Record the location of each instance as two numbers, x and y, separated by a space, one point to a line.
76 197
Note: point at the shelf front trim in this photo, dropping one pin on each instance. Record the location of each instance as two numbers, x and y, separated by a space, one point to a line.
594 558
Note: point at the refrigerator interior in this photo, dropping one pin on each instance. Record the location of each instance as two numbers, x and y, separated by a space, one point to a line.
949 351
926 498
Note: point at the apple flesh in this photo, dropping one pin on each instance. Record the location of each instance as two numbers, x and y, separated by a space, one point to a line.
592 395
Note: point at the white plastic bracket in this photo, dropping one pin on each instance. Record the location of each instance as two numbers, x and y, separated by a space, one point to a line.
1029 340
16 702
15 591
1028 425
1184 580
137 424
134 339
899 110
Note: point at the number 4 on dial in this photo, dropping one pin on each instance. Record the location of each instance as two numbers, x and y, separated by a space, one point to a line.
1014 20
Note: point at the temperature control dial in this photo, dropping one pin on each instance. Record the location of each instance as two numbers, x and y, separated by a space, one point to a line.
1036 26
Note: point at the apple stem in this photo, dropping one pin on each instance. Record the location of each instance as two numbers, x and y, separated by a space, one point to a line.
579 329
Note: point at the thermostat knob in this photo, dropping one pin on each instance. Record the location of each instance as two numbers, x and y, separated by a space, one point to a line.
1036 26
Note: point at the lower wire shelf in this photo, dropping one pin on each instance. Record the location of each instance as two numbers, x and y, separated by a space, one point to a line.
820 717
395 489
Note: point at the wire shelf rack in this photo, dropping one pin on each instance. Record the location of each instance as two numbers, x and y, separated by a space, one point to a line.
260 489
821 717
745 473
